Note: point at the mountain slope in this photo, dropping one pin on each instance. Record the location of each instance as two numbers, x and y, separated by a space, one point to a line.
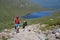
11 8
55 16
17 7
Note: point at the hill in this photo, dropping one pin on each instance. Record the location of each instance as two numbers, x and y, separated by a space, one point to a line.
55 16
11 8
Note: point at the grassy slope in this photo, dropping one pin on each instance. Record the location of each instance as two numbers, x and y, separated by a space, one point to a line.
11 8
46 20
55 16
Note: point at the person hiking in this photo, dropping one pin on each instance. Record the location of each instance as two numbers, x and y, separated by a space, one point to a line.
24 24
17 24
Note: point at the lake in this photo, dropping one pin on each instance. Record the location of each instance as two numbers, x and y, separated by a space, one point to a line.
38 14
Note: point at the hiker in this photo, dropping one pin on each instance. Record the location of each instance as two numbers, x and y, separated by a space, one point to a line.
24 24
17 24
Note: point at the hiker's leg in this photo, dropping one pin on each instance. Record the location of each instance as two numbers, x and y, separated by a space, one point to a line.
18 28
23 26
15 27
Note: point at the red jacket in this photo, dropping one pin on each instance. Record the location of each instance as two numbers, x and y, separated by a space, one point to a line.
17 21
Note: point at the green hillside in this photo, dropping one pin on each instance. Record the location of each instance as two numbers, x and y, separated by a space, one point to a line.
49 20
54 16
11 8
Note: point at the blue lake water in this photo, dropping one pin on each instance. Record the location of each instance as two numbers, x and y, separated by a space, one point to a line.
38 14
47 3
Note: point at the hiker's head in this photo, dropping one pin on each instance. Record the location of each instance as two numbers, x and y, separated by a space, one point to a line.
24 21
17 17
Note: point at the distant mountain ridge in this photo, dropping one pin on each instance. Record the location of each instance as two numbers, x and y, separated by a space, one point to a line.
19 3
47 3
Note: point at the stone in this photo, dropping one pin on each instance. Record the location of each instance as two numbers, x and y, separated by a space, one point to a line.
57 35
1 35
51 37
10 35
6 30
43 25
42 36
47 32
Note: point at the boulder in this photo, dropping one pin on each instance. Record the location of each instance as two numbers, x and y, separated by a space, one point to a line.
44 25
42 36
47 32
57 35
51 37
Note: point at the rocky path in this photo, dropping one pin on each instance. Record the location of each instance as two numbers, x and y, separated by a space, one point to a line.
34 34
26 34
